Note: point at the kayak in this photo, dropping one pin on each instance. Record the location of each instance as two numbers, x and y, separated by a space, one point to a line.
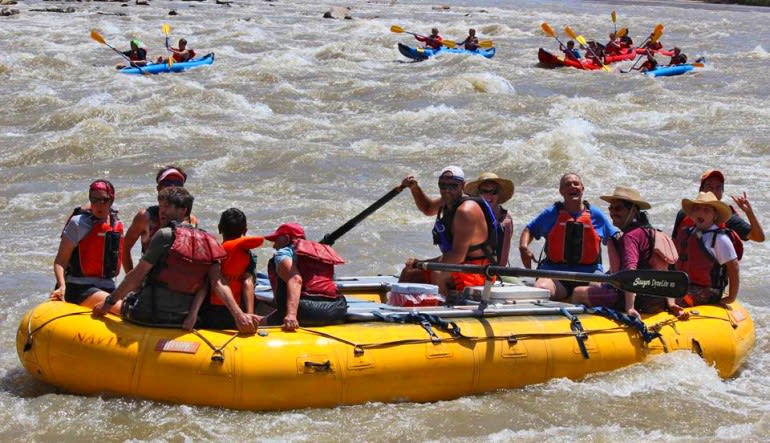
416 53
549 60
382 353
160 68
663 52
668 71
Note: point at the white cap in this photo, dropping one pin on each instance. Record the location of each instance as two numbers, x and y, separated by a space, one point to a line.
454 172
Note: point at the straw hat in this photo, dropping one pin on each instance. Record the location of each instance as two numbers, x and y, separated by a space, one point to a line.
708 198
505 186
626 194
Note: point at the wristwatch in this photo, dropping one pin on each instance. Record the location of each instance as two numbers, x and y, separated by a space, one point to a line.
109 300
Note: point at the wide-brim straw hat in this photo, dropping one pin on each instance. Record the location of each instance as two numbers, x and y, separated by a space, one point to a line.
505 186
626 194
708 198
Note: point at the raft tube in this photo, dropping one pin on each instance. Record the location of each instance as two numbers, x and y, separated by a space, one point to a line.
161 68
416 53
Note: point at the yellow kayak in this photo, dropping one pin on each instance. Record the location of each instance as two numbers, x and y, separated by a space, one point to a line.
438 353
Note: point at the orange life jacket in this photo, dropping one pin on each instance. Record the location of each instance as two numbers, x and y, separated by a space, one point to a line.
573 240
99 253
236 263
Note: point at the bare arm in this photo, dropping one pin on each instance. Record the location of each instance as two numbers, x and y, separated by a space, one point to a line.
426 205
130 283
757 234
192 316
247 293
63 256
288 272
734 279
134 233
246 323
526 254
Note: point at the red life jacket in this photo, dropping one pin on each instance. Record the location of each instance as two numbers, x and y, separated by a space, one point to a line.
315 263
573 240
233 267
702 267
99 253
187 264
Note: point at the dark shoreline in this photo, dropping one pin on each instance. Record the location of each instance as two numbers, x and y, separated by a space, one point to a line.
740 2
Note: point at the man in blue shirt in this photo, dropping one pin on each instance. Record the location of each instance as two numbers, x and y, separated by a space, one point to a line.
573 231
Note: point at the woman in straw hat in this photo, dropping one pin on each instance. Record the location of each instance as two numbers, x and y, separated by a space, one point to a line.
496 191
634 250
707 253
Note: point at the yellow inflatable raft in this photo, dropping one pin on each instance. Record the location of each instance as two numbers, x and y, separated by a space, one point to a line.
442 353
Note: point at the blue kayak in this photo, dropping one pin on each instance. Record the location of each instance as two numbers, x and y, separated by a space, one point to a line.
668 71
425 53
160 68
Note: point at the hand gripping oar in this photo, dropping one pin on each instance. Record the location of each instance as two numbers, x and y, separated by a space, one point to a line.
583 42
448 43
646 282
98 37
166 31
329 239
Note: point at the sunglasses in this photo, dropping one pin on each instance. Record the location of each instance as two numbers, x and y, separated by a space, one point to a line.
171 182
96 200
488 191
448 186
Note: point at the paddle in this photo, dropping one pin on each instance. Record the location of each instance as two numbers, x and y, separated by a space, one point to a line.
549 31
98 37
583 42
329 239
646 282
656 33
166 31
398 29
622 32
614 19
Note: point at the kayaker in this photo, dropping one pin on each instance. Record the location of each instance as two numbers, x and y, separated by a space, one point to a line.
570 51
653 46
302 277
471 42
714 181
433 41
496 191
649 65
180 261
595 52
707 253
632 251
147 220
574 232
137 54
679 58
238 270
181 54
626 41
613 45
88 259
465 232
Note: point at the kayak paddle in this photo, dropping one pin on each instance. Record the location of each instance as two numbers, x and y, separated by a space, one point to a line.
641 281
614 18
398 29
166 31
583 42
98 37
329 239
549 31
656 33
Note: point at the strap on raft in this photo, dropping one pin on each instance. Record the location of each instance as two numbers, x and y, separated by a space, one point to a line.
424 320
634 322
577 328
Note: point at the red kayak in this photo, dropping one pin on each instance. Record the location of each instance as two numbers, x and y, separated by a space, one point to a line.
549 60
663 52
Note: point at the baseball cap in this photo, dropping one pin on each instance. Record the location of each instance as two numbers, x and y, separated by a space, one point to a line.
291 230
453 172
712 173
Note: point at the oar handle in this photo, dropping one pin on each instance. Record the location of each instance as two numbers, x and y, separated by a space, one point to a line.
329 239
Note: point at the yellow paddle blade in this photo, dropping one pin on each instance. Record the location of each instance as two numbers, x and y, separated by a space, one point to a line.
657 33
622 32
170 61
581 40
547 29
698 65
571 33
396 28
166 29
614 17
606 68
449 43
486 44
98 37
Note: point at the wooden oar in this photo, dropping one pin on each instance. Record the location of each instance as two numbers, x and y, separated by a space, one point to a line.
398 29
98 37
646 282
166 29
583 42
329 239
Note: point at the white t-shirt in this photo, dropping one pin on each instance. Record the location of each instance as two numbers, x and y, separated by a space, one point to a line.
723 250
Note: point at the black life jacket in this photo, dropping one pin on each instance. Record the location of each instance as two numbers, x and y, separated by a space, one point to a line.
442 230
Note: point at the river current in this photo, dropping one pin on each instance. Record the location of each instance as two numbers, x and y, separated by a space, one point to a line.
311 120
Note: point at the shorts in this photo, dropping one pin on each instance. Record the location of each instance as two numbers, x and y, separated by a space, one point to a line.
606 296
313 311
571 285
215 317
77 294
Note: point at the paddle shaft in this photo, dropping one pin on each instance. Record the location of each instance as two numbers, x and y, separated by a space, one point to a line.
647 282
100 39
329 239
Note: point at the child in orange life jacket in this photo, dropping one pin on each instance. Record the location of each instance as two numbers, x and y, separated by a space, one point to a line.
707 253
238 269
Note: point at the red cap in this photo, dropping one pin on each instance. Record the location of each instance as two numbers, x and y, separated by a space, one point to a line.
712 173
291 230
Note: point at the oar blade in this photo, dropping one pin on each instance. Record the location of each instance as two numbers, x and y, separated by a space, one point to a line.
486 44
547 29
651 282
581 40
570 32
397 29
170 61
657 33
622 32
614 17
449 43
98 37
166 29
